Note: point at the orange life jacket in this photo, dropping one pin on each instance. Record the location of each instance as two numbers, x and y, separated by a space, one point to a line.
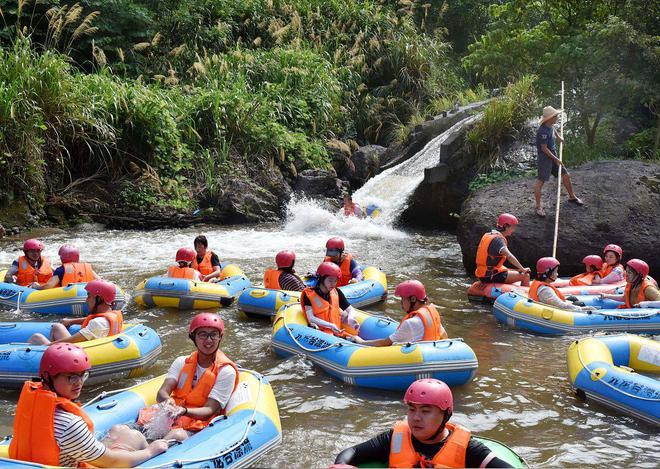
174 271
345 266
607 269
272 279
328 311
188 396
205 267
487 264
114 318
627 295
77 272
452 453
586 278
534 290
28 274
431 320
34 432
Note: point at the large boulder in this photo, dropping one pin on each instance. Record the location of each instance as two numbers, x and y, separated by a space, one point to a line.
320 183
366 161
622 206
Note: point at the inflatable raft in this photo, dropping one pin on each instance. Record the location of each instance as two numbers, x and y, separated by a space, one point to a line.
393 368
68 300
250 428
266 302
488 292
600 368
125 355
180 293
520 312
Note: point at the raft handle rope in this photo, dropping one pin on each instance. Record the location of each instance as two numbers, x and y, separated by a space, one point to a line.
591 373
250 423
17 294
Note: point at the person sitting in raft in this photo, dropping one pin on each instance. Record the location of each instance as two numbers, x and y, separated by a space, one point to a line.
493 252
284 277
640 288
31 268
325 306
199 385
102 321
63 435
350 269
612 270
593 265
425 439
542 291
351 209
184 259
71 270
206 262
421 323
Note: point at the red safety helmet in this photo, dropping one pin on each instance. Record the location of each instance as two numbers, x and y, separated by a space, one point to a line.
615 248
546 264
33 245
507 219
206 320
335 243
285 259
103 289
430 392
593 260
410 288
63 358
69 253
186 255
639 266
328 269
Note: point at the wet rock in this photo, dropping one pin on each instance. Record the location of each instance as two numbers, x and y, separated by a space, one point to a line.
15 230
320 183
245 201
366 161
622 206
3 232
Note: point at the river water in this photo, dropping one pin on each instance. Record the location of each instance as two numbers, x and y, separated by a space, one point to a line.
521 394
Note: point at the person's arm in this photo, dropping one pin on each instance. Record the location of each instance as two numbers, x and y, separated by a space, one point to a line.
514 260
217 268
171 380
12 271
124 458
549 297
478 454
546 151
54 282
348 317
356 272
208 410
652 294
68 322
557 136
411 330
648 304
311 319
616 276
375 450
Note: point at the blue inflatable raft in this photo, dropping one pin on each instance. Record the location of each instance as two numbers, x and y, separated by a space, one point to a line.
266 302
520 312
250 428
127 354
393 368
600 369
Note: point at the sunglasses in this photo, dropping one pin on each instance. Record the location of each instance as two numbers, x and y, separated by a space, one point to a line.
78 378
208 335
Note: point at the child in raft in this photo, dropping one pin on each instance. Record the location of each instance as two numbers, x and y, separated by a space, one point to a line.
350 269
197 387
593 265
71 270
284 277
612 271
542 291
31 268
641 290
206 262
183 268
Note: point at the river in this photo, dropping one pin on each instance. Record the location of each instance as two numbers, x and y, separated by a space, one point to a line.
521 394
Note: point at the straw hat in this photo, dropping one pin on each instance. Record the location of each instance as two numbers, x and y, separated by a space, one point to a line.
548 113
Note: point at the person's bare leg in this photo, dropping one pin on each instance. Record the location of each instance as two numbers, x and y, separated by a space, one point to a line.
513 276
566 179
38 339
538 185
178 434
58 331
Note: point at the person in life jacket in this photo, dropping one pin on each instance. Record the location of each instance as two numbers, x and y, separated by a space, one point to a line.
493 252
612 271
31 269
198 386
351 209
71 270
284 277
183 268
325 306
421 323
51 428
350 269
425 439
102 321
542 291
206 262
593 265
641 289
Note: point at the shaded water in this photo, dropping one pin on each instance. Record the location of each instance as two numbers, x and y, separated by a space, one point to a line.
520 395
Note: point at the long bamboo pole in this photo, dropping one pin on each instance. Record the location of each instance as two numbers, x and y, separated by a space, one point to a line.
559 172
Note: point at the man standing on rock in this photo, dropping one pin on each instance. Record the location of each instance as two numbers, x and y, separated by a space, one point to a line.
547 160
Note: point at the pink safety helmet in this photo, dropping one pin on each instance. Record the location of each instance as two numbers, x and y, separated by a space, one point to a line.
545 265
593 260
185 255
103 289
69 253
410 288
615 248
328 269
33 245
63 358
430 392
639 266
285 259
507 219
335 243
206 320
